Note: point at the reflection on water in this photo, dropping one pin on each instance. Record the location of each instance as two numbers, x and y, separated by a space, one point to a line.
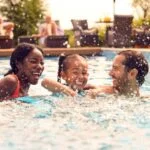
105 123
48 122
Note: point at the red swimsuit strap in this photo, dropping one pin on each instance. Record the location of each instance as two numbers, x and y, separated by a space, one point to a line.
17 90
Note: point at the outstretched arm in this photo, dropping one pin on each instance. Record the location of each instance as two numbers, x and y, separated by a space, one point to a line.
90 86
101 90
55 87
8 25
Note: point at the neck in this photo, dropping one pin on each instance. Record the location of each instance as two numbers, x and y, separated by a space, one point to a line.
24 88
24 85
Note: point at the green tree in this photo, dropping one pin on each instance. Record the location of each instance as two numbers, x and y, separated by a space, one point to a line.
145 6
26 14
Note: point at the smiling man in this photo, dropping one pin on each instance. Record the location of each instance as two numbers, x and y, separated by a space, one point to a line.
128 74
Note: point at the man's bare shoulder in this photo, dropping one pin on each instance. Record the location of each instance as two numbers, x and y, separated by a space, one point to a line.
108 89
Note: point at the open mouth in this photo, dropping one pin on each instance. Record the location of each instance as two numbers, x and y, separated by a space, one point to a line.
36 75
79 83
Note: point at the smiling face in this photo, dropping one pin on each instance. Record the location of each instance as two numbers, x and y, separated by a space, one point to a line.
32 67
76 73
119 74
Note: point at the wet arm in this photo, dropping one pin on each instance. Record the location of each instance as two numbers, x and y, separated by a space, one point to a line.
90 86
55 87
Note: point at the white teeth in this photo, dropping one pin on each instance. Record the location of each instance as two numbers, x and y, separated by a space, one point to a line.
35 73
78 82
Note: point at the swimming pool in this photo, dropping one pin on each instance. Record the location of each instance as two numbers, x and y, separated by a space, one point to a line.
53 123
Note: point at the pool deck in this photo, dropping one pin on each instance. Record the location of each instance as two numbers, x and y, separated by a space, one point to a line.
121 49
80 50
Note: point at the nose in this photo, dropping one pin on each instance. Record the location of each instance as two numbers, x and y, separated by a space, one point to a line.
80 76
40 66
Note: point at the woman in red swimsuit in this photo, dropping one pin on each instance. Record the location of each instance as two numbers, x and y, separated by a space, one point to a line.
27 65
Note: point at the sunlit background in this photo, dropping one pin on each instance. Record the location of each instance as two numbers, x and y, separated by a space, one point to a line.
92 10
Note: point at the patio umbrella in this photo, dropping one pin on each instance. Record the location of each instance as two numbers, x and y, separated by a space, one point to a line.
114 7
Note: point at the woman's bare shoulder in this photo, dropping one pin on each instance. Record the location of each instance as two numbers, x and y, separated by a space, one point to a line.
7 85
12 79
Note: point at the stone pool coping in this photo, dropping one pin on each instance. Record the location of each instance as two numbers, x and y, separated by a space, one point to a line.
80 50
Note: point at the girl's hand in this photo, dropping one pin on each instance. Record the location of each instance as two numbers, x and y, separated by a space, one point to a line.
93 92
68 91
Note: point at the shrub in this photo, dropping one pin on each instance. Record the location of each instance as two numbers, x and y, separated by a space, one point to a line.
24 13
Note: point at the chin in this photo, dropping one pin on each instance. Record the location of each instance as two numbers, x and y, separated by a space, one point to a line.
115 86
80 88
34 82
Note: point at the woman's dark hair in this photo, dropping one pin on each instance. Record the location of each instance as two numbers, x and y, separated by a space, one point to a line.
19 54
134 59
63 63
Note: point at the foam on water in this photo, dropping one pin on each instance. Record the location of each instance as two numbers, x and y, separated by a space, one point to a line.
75 123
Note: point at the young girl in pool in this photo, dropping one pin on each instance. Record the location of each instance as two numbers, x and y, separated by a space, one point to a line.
73 69
27 65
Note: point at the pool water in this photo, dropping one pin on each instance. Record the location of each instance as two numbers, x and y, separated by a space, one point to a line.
59 122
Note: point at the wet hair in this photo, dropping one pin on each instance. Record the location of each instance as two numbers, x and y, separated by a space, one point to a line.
63 62
19 54
134 59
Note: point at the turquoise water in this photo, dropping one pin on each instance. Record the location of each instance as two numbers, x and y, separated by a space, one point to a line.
52 123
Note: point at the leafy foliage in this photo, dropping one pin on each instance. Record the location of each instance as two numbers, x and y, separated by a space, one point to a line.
137 23
145 5
70 33
24 13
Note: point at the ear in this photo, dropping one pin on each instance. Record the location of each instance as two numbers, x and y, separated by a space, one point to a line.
132 74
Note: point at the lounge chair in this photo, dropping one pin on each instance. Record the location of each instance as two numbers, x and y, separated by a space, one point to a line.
83 35
120 34
56 41
141 37
28 39
6 42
